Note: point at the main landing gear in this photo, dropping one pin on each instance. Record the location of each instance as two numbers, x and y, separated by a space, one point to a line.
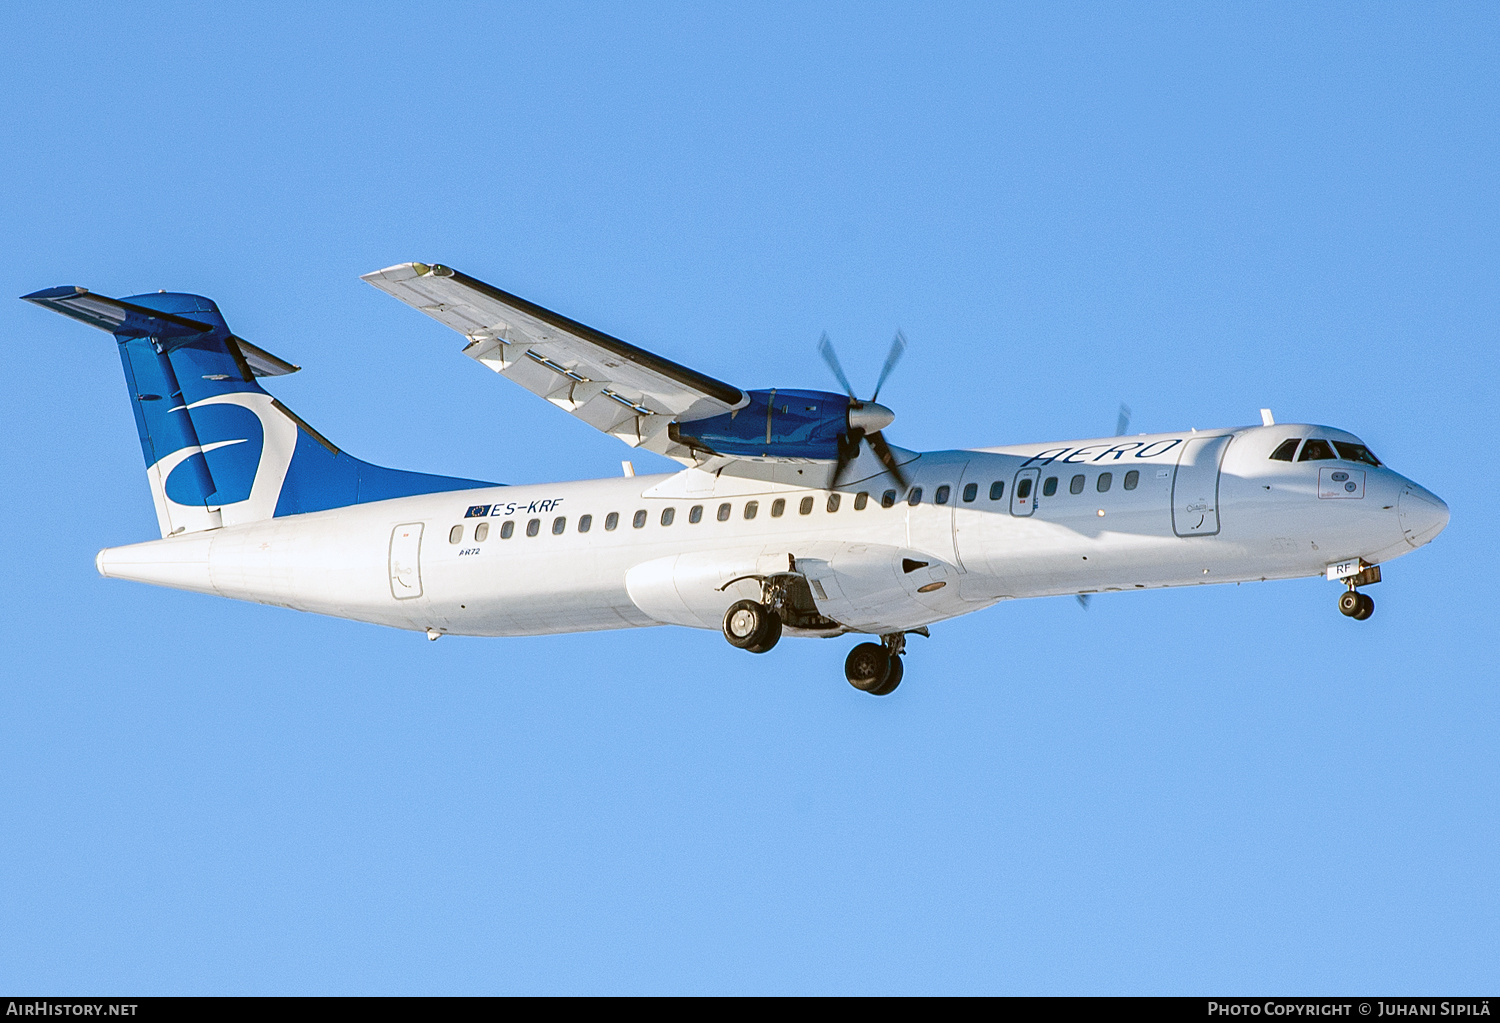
1355 604
755 625
876 668
751 625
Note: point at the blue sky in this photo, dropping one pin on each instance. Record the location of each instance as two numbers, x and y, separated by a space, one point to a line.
1196 210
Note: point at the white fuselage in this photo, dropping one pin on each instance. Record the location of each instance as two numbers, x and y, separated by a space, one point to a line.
415 563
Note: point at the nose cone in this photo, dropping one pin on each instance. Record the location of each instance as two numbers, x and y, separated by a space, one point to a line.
870 417
1423 514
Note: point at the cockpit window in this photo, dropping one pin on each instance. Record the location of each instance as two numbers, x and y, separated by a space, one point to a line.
1314 450
1286 449
1355 453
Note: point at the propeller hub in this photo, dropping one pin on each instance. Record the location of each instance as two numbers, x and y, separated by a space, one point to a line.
869 416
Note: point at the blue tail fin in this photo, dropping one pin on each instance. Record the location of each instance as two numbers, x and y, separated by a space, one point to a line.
220 450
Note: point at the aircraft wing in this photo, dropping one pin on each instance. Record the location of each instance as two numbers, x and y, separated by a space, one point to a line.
613 386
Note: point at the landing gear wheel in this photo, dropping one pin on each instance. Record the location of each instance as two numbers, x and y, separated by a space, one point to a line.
1350 602
892 680
751 626
1366 607
770 635
867 667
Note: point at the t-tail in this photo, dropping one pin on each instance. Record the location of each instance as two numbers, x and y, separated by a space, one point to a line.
219 450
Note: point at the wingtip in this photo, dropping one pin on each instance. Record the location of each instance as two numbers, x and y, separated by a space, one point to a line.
65 291
399 272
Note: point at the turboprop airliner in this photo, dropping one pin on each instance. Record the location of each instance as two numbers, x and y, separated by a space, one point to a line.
792 515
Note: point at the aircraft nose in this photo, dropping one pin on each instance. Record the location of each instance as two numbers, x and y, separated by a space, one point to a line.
1423 514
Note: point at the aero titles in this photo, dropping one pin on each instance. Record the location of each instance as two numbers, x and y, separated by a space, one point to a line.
1070 455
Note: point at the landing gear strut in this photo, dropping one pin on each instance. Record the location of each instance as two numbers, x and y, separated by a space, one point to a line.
876 668
1355 604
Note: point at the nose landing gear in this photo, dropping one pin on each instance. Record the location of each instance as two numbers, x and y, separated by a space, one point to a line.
1356 605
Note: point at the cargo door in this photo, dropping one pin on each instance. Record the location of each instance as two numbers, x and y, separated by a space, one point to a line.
1195 486
406 568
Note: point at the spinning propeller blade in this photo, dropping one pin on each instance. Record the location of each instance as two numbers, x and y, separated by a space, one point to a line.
887 458
865 418
898 349
825 348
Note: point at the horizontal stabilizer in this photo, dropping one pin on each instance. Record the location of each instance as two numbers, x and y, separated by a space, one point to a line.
123 319
126 319
261 362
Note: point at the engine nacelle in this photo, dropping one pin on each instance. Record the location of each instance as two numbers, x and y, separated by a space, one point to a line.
775 424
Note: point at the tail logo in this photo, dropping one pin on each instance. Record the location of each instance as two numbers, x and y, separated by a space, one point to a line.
278 442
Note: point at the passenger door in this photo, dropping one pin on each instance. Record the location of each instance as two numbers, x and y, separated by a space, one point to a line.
1023 492
1195 486
406 568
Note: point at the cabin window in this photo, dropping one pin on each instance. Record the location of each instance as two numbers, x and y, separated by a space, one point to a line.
888 499
507 529
833 502
778 508
941 495
724 512
1132 479
1315 451
611 521
751 507
1049 487
559 524
638 521
533 527
1286 449
804 507
481 532
861 499
456 534
971 491
585 523
1355 452
914 496
667 515
1075 485
695 513
997 490
1106 480
1023 489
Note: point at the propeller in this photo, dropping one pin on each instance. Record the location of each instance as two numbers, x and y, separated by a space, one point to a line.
866 418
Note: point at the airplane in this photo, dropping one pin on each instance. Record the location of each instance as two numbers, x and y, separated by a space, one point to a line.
792 515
